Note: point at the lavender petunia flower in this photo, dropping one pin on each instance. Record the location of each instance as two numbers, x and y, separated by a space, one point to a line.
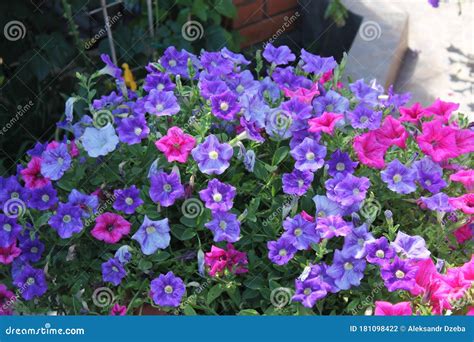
99 141
355 242
348 191
31 250
379 251
297 182
176 62
236 58
331 102
127 200
302 232
341 162
278 55
366 93
123 254
309 291
110 68
55 162
269 89
309 155
281 251
109 101
153 235
88 204
331 226
429 175
411 247
218 196
133 130
346 270
43 198
161 103
113 271
399 178
32 281
166 188
167 290
399 275
67 220
212 157
317 64
363 117
326 207
438 202
158 81
224 226
216 64
225 106
9 231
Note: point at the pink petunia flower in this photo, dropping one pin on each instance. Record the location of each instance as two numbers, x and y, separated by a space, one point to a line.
110 227
218 260
369 150
32 174
465 203
464 233
466 177
7 298
464 141
8 254
438 141
176 145
307 216
392 133
302 94
441 109
389 309
118 310
325 123
412 114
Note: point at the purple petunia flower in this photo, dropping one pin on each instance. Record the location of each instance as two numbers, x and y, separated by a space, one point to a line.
341 162
159 81
153 235
326 207
278 55
123 254
429 175
55 162
43 198
317 64
225 106
224 226
67 220
346 270
379 251
236 58
297 182
11 189
278 123
216 64
366 93
302 232
113 271
161 103
9 230
243 84
167 290
399 178
111 100
331 226
434 3
110 68
399 275
331 102
133 130
218 196
32 281
269 89
31 250
309 155
310 290
438 202
176 62
411 247
348 191
281 251
166 188
355 242
88 204
127 200
363 117
212 157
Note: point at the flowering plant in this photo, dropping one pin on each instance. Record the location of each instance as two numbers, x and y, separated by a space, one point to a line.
212 189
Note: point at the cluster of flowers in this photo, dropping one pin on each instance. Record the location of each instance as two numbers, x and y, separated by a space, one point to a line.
303 106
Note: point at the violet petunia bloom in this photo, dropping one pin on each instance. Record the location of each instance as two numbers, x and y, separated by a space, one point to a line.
429 174
310 290
331 226
281 251
55 162
167 290
326 207
411 247
316 64
399 275
127 200
175 62
309 155
348 191
367 93
379 251
218 196
133 130
31 250
399 178
67 220
113 271
166 188
438 202
110 68
161 103
6 297
356 241
225 106
9 231
331 102
346 270
297 182
341 162
225 226
44 198
278 55
363 117
216 64
212 157
153 235
32 281
302 232
87 204
159 81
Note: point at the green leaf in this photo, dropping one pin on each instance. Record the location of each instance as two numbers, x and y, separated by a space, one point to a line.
248 312
144 265
183 233
280 155
200 9
226 8
214 293
189 311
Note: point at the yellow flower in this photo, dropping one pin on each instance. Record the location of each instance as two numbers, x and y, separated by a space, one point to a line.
128 77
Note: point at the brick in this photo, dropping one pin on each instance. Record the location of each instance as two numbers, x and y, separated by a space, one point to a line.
279 6
249 13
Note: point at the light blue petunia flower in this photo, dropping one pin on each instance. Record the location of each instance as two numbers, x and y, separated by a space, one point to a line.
99 141
153 235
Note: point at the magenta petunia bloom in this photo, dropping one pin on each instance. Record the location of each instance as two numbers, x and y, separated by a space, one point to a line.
465 203
325 123
32 174
465 177
212 156
412 114
7 298
369 150
438 141
110 228
176 145
118 310
218 196
225 106
441 110
388 309
399 275
165 188
219 260
392 133
167 290
9 253
224 226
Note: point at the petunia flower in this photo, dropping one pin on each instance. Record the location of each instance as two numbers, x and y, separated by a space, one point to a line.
331 102
176 145
161 103
133 130
153 235
32 281
165 188
392 133
346 270
110 68
309 155
388 309
325 123
43 198
379 251
412 247
465 177
303 232
331 226
113 271
212 156
55 162
429 175
398 275
99 141
110 228
9 253
66 221
465 203
127 200
118 310
438 141
341 162
9 231
399 178
167 290
369 150
6 297
219 260
218 196
310 290
438 202
280 252
225 226
32 174
356 241
225 106
412 114
316 64
363 117
278 55
297 182
441 109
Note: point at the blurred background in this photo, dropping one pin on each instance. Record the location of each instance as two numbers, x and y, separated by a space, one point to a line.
44 43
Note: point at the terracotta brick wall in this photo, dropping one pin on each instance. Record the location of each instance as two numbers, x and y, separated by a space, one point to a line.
259 20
